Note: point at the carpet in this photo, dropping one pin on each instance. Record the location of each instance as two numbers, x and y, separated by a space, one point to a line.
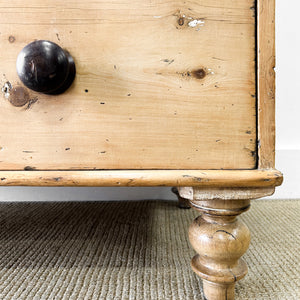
135 250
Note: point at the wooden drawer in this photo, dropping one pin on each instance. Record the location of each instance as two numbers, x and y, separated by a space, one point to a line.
159 85
166 93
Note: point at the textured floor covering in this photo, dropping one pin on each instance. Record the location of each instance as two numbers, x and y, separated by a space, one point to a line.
135 250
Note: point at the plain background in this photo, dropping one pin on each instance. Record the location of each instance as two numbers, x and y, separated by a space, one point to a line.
287 122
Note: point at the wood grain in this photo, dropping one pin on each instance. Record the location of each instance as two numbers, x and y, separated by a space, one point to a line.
224 193
266 83
159 85
203 178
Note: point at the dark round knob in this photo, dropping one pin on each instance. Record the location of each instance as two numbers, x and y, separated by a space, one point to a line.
45 67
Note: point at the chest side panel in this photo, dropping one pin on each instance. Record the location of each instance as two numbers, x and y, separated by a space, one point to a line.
159 85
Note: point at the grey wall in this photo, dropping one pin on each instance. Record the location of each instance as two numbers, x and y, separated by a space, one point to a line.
79 193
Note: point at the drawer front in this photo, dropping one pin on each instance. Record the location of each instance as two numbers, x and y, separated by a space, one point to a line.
159 85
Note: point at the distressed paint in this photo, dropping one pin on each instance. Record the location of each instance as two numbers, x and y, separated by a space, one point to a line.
196 23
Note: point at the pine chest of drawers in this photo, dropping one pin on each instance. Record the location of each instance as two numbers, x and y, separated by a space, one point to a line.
156 93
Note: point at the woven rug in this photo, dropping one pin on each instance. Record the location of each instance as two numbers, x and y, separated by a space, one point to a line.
135 250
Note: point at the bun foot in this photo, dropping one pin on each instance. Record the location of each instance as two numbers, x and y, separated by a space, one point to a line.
182 202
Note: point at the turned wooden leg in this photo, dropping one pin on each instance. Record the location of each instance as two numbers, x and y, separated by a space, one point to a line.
218 237
220 240
182 202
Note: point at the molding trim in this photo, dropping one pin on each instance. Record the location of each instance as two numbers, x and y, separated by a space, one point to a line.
179 178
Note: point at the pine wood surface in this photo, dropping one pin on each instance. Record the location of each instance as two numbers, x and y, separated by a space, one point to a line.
159 85
266 83
184 178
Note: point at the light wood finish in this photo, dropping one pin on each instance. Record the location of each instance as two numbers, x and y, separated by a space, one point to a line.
219 240
266 83
225 193
159 85
218 260
203 178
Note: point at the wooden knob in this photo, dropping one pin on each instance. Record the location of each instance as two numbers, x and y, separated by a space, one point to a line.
45 67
